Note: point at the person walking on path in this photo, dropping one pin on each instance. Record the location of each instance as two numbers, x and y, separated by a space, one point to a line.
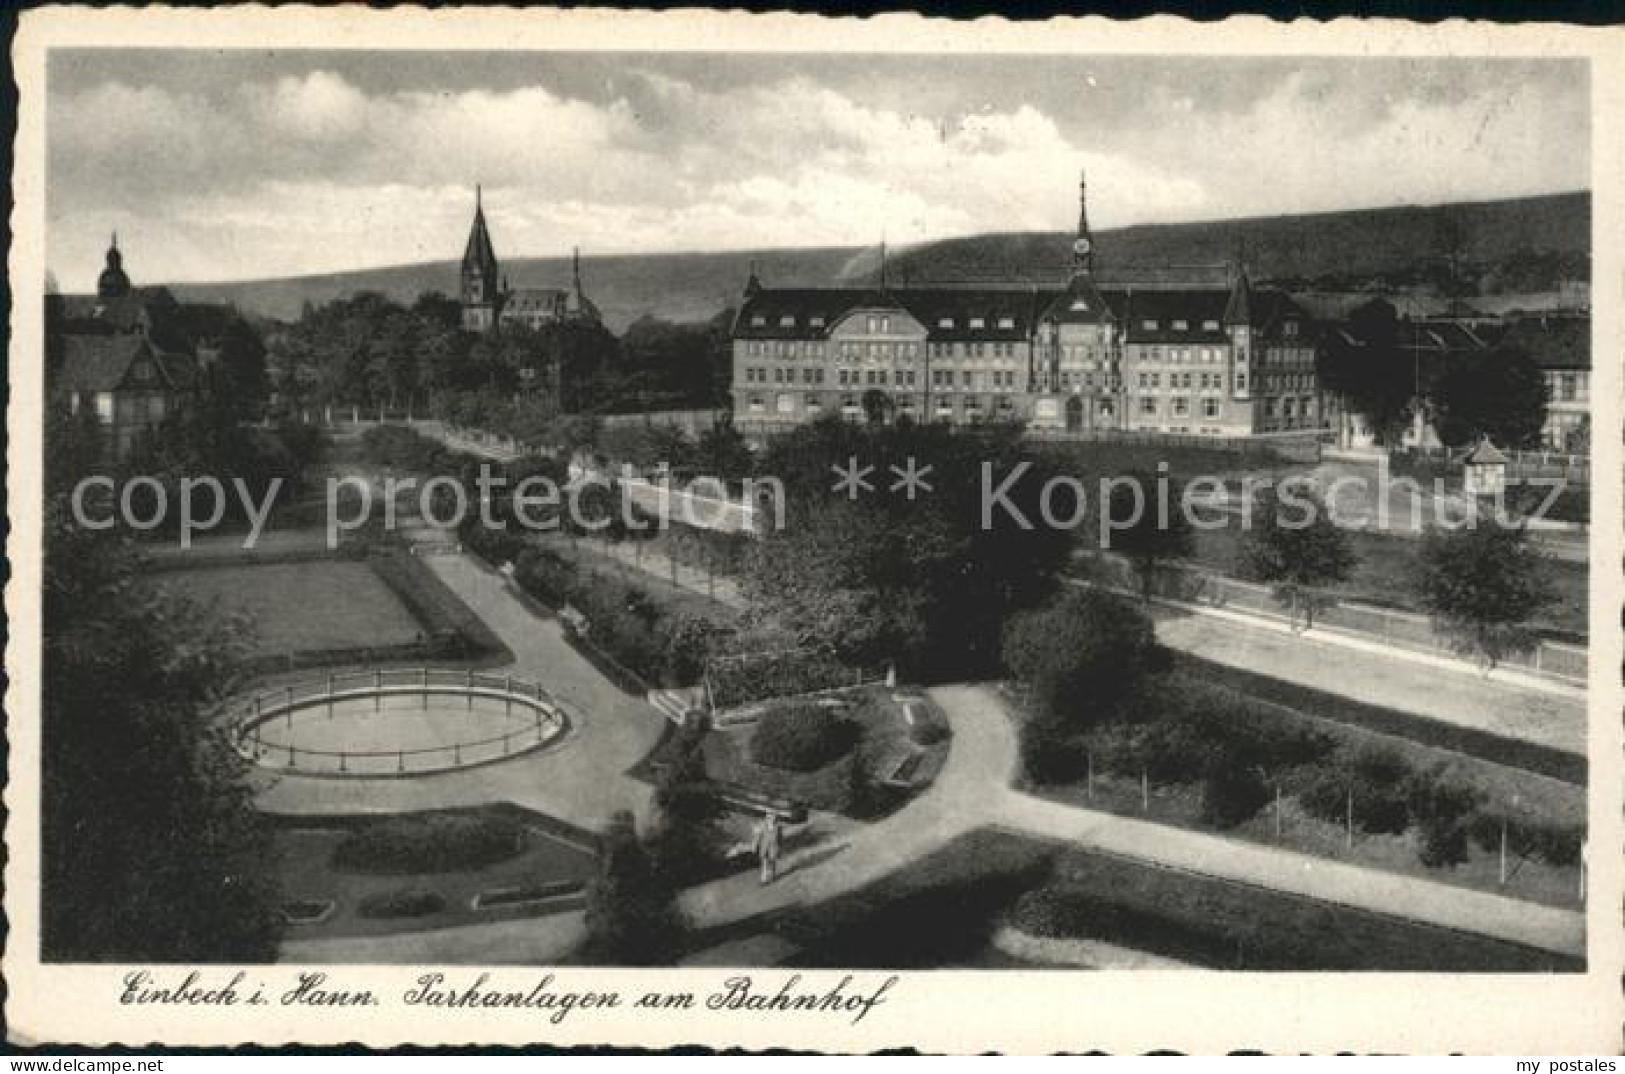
767 846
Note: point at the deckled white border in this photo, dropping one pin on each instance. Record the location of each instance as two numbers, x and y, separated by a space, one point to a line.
949 1011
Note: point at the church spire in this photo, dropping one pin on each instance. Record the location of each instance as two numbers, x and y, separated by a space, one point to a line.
480 276
753 283
1083 246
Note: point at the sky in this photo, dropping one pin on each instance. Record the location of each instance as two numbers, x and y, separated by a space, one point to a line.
220 165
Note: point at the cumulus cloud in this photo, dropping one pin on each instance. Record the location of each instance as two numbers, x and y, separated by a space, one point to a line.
311 171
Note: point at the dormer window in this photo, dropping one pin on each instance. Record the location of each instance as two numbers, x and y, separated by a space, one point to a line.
787 321
1007 322
1080 305
816 322
1290 328
1181 326
1210 326
1149 326
946 322
977 322
758 321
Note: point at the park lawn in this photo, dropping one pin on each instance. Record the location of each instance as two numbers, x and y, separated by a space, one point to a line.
305 869
317 605
1384 567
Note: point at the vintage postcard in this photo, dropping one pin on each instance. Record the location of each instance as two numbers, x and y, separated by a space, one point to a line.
540 527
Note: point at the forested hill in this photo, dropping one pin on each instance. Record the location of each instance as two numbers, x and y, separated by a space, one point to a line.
684 287
1512 245
1524 244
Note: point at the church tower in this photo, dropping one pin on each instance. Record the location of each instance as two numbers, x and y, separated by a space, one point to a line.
113 283
1083 246
481 290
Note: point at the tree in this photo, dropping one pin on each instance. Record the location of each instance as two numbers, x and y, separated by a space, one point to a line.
926 580
723 454
151 850
877 406
1368 367
1294 546
632 917
1482 584
1500 394
1082 656
1152 536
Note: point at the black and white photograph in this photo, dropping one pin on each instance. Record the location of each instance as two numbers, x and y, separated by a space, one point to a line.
800 519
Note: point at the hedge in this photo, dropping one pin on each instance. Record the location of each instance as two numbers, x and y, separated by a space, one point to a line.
450 624
624 621
437 843
411 902
742 680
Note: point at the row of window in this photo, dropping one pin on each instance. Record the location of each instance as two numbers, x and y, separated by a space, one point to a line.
1181 355
1204 381
1290 407
785 403
999 379
1179 406
809 375
1177 325
873 378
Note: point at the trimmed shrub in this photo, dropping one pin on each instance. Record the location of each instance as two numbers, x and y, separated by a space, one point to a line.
751 677
434 843
801 738
408 902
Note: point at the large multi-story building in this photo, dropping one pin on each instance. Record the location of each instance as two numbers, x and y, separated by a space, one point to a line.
488 302
1180 352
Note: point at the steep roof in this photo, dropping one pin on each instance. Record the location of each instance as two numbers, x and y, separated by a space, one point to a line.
1081 303
98 363
1010 313
1485 454
123 314
1238 309
1184 316
101 363
479 253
